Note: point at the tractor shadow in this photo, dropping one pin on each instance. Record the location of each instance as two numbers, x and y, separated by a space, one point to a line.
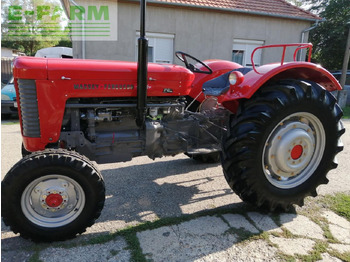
138 193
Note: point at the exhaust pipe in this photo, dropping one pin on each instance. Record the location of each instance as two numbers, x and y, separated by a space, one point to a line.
142 69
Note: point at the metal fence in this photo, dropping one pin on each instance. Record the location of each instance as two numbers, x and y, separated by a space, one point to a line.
6 70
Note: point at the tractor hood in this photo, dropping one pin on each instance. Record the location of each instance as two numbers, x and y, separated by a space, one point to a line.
176 80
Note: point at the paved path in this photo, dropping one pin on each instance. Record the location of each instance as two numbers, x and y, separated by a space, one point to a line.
146 190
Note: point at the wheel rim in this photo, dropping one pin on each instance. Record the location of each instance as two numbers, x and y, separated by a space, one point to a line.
293 150
52 201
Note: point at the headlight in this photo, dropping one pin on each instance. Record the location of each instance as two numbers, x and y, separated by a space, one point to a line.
5 97
235 78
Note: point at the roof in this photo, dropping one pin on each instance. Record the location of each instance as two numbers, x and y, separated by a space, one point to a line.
277 8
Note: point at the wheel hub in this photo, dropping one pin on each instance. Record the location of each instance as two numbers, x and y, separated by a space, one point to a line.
297 151
293 149
54 200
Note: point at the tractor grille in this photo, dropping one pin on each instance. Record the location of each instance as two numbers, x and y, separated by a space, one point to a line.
29 108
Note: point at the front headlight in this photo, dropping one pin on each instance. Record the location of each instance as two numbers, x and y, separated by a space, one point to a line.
235 78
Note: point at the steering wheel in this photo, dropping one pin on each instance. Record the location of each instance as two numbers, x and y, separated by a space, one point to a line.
183 58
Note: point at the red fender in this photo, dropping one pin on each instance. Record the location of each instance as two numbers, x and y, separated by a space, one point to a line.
293 70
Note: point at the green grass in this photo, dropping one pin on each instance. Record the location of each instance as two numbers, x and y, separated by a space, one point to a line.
9 122
315 255
340 204
346 112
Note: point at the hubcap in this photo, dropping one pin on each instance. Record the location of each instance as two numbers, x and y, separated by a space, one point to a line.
52 201
293 150
297 151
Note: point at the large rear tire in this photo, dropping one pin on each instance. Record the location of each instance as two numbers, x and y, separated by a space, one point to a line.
52 195
282 143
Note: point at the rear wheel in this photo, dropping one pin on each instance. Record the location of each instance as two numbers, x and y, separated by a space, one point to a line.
52 195
282 144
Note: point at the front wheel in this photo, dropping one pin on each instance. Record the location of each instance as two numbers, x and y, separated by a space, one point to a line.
52 195
282 144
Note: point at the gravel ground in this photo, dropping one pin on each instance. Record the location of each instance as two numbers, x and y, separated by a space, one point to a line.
145 190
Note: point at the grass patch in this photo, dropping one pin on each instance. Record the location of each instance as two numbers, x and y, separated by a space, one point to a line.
339 203
342 256
346 111
286 258
262 236
241 233
134 245
9 122
35 257
315 254
327 234
114 252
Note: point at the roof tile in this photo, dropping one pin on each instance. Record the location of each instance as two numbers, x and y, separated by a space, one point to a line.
267 7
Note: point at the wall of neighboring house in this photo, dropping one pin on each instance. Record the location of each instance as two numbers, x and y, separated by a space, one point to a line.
206 34
6 52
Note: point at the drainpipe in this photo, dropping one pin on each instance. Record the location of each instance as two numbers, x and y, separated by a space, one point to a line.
83 43
303 36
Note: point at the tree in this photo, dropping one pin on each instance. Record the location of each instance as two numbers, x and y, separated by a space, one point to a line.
29 25
329 38
298 3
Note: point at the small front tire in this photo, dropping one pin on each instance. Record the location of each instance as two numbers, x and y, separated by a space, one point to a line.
52 195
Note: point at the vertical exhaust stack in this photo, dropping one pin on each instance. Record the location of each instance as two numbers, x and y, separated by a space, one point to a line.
142 68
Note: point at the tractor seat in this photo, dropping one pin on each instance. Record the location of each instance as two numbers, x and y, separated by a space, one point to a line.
221 84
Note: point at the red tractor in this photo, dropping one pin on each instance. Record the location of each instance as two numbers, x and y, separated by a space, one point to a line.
276 129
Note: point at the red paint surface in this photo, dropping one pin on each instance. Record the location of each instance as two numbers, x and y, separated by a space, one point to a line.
54 200
297 151
97 79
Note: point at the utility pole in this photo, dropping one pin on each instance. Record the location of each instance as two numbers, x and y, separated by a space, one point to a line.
343 94
346 59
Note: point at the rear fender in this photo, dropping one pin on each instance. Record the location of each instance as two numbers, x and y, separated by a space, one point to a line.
274 72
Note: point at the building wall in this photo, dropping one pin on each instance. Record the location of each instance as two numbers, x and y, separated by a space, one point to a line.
6 52
206 34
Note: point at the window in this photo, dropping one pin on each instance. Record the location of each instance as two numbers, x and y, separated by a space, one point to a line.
150 54
160 47
243 49
237 56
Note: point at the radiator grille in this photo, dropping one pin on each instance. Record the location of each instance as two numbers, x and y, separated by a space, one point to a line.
29 108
